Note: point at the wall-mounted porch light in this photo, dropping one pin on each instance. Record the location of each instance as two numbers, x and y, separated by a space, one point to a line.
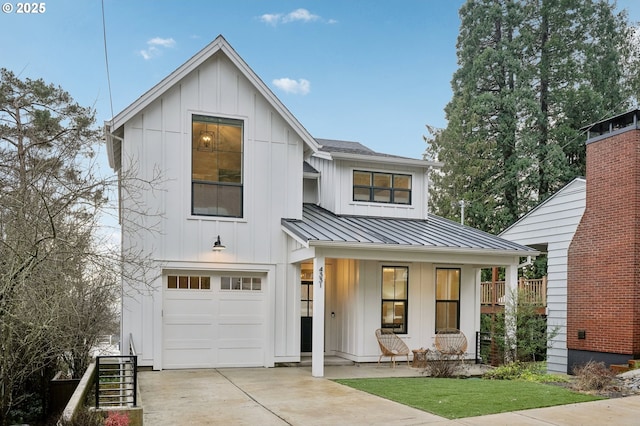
217 245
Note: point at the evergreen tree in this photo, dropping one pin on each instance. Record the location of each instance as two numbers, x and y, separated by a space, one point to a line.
532 74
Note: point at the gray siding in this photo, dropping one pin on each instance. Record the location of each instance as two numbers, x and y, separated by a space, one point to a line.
554 223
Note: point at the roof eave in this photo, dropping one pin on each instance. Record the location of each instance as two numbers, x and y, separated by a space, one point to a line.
431 249
114 147
299 238
385 159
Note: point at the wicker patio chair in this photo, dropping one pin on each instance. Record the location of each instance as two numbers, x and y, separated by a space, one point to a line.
391 346
451 342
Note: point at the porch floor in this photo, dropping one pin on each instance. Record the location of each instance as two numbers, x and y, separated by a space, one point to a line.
341 368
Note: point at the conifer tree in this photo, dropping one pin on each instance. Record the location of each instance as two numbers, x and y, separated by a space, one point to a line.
532 74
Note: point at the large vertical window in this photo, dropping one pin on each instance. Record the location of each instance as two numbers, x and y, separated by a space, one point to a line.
395 286
381 187
447 299
216 166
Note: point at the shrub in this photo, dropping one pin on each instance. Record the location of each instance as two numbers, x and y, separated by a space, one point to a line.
520 332
84 417
116 418
513 371
527 371
593 376
439 365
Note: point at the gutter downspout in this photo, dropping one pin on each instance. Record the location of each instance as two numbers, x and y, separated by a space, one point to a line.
426 194
109 137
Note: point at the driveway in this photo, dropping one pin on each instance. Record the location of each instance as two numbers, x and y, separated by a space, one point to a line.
264 396
291 396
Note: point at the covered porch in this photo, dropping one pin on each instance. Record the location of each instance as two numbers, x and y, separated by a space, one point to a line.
358 274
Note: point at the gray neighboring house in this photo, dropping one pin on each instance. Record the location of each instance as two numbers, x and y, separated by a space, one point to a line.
549 228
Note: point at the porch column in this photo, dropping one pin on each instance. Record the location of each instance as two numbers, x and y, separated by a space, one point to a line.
317 351
510 306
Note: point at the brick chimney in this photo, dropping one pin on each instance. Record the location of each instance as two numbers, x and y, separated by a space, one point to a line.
603 276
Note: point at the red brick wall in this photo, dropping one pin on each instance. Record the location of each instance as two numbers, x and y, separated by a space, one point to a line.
603 281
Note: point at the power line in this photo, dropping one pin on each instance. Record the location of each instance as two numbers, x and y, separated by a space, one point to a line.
106 57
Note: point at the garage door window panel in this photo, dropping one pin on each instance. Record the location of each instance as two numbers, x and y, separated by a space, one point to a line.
241 283
185 282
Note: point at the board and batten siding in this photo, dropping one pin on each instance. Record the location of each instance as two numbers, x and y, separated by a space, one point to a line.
158 144
355 298
336 192
328 181
553 223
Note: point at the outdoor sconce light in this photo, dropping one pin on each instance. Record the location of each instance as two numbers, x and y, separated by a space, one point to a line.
217 245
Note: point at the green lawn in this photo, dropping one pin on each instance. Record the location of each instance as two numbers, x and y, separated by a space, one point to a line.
457 398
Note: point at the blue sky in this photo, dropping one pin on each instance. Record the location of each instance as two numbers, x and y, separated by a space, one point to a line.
363 70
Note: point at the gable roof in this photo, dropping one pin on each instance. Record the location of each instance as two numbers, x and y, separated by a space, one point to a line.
348 150
309 170
332 145
113 127
568 187
320 227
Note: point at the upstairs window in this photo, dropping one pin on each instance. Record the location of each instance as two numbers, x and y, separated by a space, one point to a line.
216 166
380 187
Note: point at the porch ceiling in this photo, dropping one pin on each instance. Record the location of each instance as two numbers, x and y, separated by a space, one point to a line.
319 227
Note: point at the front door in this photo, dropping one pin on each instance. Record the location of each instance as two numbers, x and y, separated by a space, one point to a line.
306 316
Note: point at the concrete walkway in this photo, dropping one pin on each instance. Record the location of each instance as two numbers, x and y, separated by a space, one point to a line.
291 396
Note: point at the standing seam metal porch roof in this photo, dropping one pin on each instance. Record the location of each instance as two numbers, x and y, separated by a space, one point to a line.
319 226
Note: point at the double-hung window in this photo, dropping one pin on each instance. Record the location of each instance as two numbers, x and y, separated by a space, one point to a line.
379 187
395 290
216 166
447 299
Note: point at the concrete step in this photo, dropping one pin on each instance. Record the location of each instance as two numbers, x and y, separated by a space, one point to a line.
328 361
619 368
634 364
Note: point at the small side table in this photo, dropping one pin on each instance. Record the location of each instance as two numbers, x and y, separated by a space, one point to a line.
419 358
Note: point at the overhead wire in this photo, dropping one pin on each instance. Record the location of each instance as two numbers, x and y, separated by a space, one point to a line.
106 57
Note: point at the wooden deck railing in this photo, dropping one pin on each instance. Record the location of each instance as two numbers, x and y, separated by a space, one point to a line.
533 291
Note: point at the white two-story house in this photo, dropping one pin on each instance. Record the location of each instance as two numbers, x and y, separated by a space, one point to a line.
267 243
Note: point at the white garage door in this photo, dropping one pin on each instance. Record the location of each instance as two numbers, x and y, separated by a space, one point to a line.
214 321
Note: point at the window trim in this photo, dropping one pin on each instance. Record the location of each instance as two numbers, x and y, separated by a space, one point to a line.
456 302
405 326
191 114
372 187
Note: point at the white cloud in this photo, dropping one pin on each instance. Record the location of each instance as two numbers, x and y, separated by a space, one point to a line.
155 46
164 42
299 87
298 15
270 18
